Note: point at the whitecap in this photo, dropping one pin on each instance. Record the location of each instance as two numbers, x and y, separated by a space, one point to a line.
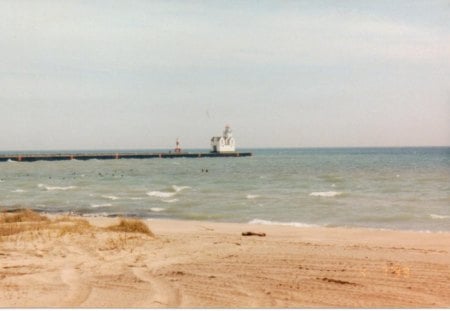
101 205
435 216
252 196
325 194
277 223
157 209
11 161
136 199
111 197
161 194
170 200
180 188
18 191
49 188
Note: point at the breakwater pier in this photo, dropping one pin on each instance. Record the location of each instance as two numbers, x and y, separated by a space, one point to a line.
118 155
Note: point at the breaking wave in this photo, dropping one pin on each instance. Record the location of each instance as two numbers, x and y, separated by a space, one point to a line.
18 191
180 188
166 194
161 194
325 194
101 205
435 216
278 223
51 188
170 200
157 209
111 197
252 196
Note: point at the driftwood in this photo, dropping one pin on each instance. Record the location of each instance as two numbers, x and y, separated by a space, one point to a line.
248 233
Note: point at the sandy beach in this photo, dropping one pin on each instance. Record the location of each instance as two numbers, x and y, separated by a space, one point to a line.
57 261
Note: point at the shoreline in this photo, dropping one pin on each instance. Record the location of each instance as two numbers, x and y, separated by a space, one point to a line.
263 222
210 264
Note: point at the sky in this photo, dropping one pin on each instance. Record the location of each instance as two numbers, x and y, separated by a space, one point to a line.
140 74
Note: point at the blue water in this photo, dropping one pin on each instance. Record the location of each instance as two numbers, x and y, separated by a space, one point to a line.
392 188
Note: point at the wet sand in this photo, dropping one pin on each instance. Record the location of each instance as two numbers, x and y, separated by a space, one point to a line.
201 264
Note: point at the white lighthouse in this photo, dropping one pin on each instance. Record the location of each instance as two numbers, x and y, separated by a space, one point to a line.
224 143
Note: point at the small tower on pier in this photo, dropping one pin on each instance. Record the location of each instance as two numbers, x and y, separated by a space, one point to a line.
177 146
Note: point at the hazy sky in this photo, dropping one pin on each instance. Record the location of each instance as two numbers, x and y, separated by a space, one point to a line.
138 74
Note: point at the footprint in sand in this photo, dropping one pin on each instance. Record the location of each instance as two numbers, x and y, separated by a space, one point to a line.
163 293
78 291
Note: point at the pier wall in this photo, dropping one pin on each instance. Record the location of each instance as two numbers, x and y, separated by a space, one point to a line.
115 156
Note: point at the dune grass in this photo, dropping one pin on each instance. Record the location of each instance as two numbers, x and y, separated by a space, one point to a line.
131 226
25 215
21 221
26 220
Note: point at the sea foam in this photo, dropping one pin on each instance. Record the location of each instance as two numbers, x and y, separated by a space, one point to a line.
278 223
325 194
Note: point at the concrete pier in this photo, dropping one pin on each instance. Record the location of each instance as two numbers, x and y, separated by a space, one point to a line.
115 156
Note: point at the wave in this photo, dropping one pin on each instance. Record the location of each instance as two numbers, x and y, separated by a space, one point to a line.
157 209
435 216
325 194
252 196
101 205
51 188
277 223
165 194
1 180
161 194
111 197
180 188
18 191
170 200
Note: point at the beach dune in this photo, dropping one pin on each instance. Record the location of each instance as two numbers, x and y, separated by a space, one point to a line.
62 261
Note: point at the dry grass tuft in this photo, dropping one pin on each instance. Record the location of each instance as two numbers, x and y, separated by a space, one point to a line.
21 221
73 225
25 215
27 224
133 226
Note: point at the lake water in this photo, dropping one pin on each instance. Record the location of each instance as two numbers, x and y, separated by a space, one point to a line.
392 188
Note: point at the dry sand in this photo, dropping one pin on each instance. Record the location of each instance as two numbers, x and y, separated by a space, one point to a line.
200 264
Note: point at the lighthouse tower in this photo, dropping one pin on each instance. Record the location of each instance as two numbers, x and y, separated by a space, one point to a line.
224 143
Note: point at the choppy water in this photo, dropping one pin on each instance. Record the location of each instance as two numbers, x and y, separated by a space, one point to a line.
395 188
